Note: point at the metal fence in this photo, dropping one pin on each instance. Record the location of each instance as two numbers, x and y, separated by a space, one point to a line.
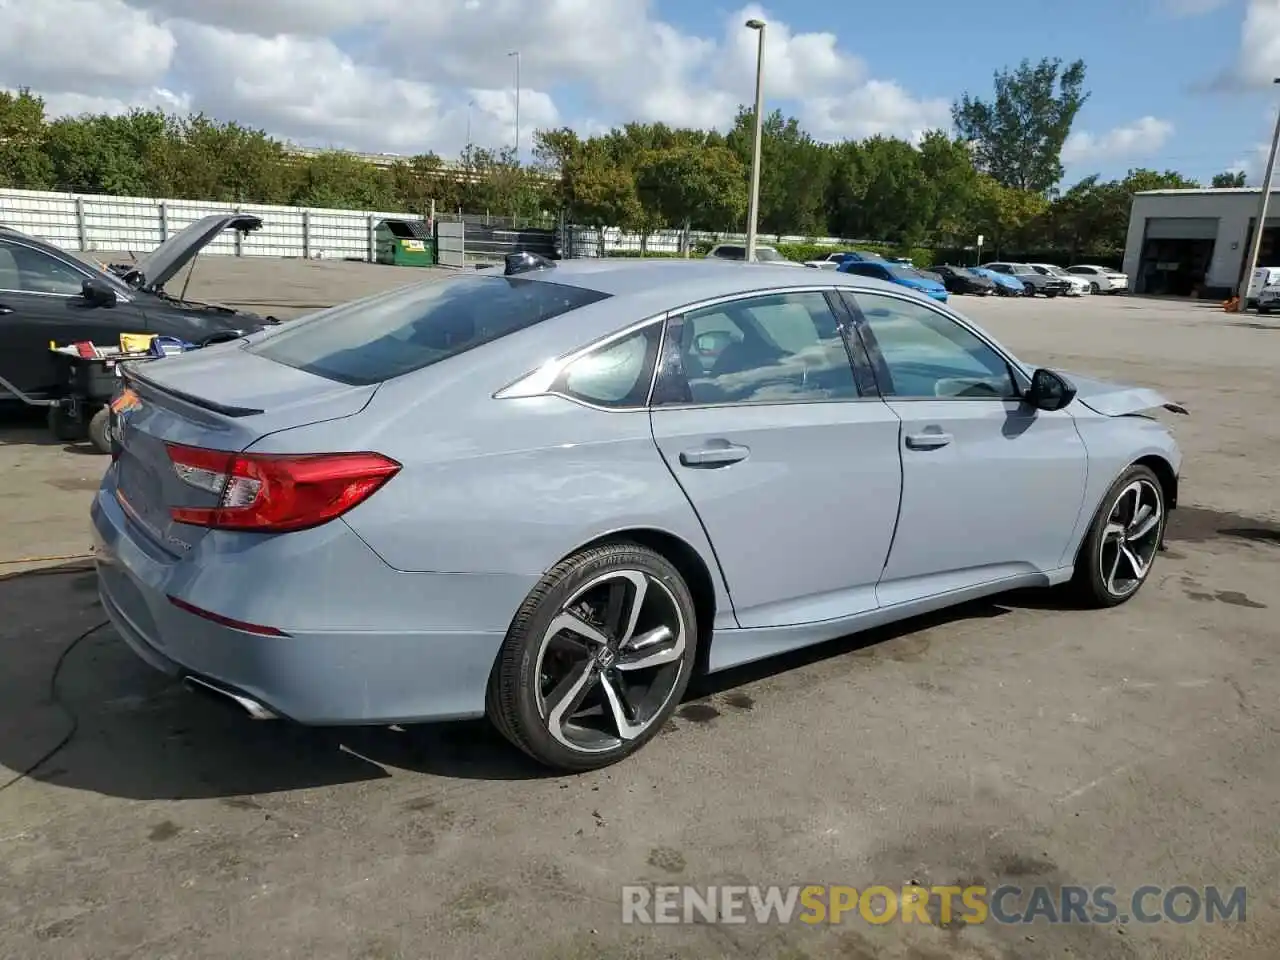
88 222
138 224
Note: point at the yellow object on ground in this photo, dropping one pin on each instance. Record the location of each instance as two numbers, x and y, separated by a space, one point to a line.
136 342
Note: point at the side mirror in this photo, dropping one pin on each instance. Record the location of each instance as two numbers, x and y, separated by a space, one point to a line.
1049 390
98 293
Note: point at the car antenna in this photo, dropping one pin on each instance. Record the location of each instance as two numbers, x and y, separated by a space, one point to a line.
525 262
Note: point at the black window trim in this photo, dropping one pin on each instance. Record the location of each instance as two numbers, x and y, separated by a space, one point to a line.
1020 378
675 319
74 268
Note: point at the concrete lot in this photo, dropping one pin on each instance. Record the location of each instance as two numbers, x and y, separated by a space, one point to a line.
1005 742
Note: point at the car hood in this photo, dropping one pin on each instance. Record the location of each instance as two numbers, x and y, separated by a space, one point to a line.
158 267
1118 399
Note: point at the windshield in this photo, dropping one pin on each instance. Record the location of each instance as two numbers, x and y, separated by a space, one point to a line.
391 334
1056 271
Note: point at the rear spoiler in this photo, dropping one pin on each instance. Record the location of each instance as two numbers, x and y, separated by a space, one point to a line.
130 375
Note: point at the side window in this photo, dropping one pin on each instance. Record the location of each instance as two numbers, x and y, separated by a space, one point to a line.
771 349
40 273
8 268
929 355
615 375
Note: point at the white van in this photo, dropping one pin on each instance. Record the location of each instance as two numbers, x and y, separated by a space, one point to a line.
1262 277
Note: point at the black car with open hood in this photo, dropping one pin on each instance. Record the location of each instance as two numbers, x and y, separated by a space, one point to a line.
50 295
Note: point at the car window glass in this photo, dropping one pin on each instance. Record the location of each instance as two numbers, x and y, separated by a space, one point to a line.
37 272
8 268
388 335
730 253
777 348
930 355
615 375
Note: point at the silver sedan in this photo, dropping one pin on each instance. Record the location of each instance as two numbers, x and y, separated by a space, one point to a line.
552 493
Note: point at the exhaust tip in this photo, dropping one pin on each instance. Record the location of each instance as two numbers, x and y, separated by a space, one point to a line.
253 708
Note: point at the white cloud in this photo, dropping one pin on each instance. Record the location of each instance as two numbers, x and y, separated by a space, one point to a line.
1143 137
397 76
75 104
1259 61
85 46
1253 164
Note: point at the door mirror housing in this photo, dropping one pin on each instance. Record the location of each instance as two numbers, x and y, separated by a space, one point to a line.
98 293
1049 390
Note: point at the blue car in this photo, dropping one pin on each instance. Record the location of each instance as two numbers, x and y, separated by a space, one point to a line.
1006 286
896 273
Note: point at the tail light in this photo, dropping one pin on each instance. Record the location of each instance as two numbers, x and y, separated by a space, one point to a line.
274 493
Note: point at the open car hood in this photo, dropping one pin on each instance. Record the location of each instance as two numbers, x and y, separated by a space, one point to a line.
158 267
1117 399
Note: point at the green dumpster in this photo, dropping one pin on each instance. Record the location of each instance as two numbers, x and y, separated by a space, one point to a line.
405 243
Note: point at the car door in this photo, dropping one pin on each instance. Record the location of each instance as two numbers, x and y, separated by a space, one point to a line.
34 289
792 468
991 487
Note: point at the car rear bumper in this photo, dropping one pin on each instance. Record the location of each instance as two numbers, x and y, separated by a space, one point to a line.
385 670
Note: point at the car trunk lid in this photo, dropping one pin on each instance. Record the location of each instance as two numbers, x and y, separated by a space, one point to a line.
219 398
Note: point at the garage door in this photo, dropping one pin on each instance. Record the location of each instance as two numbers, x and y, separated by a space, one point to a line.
1182 228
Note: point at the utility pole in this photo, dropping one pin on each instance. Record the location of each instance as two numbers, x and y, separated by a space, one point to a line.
753 206
516 54
1256 247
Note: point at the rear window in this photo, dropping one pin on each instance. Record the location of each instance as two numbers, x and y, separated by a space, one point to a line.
391 334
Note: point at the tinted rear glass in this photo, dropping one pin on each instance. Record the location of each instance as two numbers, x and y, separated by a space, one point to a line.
391 334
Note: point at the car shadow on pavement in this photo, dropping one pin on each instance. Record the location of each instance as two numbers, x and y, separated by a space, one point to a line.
867 643
89 715
27 427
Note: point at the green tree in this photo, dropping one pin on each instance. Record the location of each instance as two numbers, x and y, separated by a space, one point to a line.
952 182
688 186
1017 135
794 170
24 164
1230 178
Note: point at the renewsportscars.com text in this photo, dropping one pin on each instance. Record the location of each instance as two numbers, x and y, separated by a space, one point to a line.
879 904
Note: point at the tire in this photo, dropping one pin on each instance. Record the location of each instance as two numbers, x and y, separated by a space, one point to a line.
1094 288
1028 290
1051 294
529 696
63 426
100 430
1096 582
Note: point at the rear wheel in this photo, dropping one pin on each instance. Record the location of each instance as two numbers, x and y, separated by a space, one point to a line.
1120 549
63 426
1094 288
100 430
1028 290
596 659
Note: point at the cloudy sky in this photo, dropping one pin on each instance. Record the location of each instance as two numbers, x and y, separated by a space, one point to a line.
1176 83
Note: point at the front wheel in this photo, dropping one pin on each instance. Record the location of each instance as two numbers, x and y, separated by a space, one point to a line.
100 430
1120 549
1094 288
1028 290
596 659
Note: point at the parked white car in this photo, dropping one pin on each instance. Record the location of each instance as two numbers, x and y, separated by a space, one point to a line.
1077 286
1269 299
738 251
1101 279
1262 278
830 262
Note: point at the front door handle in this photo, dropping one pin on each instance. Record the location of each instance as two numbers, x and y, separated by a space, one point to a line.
715 454
928 440
4 311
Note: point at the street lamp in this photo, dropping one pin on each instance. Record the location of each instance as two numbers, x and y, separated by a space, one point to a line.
753 208
1262 215
516 54
470 104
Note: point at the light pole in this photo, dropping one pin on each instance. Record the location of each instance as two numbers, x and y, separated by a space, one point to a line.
516 54
470 104
1256 247
753 207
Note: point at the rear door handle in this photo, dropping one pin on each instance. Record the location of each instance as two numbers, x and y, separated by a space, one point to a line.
715 454
928 440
